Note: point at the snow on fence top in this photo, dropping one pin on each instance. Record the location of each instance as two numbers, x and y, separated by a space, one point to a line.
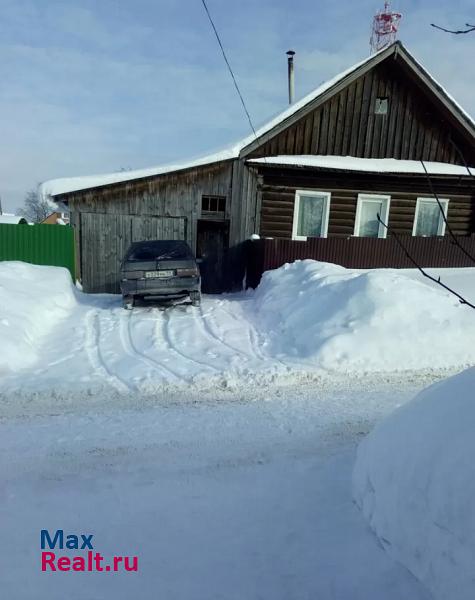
370 165
55 187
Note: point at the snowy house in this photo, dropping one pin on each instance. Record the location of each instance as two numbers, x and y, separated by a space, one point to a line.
382 138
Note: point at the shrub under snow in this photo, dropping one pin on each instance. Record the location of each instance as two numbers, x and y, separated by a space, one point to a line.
414 480
380 320
32 300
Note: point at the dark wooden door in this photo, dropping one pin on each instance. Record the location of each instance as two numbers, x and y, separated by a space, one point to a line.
211 248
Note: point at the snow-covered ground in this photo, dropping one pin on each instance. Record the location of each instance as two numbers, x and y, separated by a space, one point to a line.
245 496
306 321
414 481
214 443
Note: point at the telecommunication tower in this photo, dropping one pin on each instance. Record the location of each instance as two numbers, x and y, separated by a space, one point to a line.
385 28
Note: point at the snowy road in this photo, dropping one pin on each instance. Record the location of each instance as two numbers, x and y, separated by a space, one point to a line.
228 498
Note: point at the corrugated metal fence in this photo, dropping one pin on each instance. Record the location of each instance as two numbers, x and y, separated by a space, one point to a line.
358 253
39 244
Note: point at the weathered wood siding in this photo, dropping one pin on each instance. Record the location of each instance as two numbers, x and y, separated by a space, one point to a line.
279 187
245 205
156 207
106 237
414 128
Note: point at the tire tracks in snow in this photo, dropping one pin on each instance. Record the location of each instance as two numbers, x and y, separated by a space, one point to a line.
96 358
127 341
254 338
172 344
210 331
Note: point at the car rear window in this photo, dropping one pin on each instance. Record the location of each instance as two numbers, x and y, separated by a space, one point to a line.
159 250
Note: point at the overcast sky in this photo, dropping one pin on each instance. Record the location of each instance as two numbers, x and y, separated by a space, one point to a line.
94 86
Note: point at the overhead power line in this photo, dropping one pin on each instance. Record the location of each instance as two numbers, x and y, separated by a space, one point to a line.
469 29
229 67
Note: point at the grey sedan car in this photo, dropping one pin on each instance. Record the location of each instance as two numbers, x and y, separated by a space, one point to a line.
159 270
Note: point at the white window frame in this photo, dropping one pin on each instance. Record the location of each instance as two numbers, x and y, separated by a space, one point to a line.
445 206
383 232
326 212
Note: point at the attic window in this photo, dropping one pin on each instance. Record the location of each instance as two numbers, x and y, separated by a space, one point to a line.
213 206
381 106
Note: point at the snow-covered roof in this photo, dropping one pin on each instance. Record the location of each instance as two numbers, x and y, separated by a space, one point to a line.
11 219
369 165
66 185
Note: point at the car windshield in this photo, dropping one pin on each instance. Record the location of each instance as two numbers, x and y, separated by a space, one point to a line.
159 250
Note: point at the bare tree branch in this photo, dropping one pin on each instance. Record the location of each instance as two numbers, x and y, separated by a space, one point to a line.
470 171
436 280
34 209
469 29
444 216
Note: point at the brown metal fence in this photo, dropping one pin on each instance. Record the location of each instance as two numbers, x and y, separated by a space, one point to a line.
358 253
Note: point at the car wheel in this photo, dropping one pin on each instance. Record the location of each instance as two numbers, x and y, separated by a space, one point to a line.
128 302
195 298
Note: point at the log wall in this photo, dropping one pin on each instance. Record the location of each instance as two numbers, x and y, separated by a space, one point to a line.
278 196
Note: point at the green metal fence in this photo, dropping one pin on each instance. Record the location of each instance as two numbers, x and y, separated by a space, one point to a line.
39 244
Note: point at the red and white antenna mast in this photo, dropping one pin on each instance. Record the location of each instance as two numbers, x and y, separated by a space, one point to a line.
385 28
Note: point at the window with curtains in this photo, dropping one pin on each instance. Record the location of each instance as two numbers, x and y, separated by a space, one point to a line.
311 211
368 208
429 220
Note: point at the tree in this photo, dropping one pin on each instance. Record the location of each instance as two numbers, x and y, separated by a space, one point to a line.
35 209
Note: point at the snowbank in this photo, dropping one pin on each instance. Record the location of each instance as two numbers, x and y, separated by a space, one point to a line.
32 299
381 320
414 481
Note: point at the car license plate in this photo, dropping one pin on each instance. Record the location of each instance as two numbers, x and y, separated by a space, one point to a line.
159 274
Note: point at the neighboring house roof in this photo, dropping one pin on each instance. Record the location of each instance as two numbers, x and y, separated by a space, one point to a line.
12 220
368 165
58 187
54 218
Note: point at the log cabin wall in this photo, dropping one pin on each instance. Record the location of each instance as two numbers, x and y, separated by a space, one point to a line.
278 189
414 128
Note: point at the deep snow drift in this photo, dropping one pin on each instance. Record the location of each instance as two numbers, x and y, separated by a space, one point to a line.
33 299
414 481
379 320
306 319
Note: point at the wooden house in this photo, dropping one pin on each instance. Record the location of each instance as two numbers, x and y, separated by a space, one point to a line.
56 218
382 138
